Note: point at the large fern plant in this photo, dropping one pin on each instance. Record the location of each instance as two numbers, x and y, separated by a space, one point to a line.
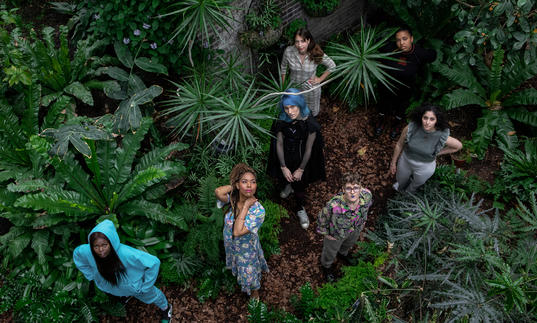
110 181
493 89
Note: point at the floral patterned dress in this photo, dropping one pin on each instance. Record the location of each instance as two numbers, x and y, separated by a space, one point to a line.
244 255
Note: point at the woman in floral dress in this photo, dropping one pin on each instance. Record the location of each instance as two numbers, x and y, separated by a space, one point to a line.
244 255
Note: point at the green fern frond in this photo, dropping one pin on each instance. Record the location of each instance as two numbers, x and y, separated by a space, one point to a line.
461 97
495 76
463 75
522 115
125 155
68 202
27 186
158 155
40 243
207 200
153 211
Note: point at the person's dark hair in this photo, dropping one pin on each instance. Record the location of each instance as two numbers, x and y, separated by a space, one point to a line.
441 121
404 28
236 173
315 52
111 267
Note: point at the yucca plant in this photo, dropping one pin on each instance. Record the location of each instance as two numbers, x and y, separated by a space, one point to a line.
492 88
190 103
234 122
199 18
360 64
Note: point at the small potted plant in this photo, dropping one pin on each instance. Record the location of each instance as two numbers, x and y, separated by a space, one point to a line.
463 156
319 8
264 26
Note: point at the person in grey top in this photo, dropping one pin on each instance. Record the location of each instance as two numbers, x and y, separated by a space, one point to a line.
424 138
302 60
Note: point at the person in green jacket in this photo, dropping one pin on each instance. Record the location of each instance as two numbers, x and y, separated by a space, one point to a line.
120 270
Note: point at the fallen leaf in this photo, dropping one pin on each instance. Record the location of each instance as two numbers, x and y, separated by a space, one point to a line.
511 133
362 151
335 108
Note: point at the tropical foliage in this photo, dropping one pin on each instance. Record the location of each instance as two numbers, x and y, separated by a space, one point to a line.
360 64
492 88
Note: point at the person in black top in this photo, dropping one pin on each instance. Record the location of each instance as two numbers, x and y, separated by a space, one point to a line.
409 59
296 152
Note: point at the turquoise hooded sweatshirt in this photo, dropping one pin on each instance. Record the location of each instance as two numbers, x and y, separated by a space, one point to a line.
141 267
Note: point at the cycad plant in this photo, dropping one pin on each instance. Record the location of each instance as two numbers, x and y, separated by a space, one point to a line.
493 89
360 64
109 181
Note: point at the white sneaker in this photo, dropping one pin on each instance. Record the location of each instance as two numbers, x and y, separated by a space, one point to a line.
286 191
303 218
396 186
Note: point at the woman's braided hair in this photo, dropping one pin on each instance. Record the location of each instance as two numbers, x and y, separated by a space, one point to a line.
236 173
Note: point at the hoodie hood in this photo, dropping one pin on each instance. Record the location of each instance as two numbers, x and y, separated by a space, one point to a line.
109 230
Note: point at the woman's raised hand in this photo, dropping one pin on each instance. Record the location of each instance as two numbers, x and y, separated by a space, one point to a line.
249 202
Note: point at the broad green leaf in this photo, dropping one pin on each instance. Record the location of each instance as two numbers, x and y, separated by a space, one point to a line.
461 97
79 91
152 211
123 54
148 65
125 155
58 112
115 72
47 99
40 243
524 97
128 115
68 202
74 134
523 116
27 186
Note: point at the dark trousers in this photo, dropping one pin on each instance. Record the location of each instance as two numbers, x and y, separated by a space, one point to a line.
332 247
300 195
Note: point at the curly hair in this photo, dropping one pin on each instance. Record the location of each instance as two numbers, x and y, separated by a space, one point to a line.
236 174
441 121
350 178
315 52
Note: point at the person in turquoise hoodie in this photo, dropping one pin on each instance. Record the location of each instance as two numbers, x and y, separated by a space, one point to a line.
120 270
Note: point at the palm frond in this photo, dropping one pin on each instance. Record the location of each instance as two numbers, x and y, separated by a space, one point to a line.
461 97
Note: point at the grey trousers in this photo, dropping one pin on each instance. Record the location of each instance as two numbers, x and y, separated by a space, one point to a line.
332 247
412 174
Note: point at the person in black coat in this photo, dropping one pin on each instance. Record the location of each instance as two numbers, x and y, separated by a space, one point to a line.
296 152
409 59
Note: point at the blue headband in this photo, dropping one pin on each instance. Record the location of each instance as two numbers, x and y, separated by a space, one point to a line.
297 100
